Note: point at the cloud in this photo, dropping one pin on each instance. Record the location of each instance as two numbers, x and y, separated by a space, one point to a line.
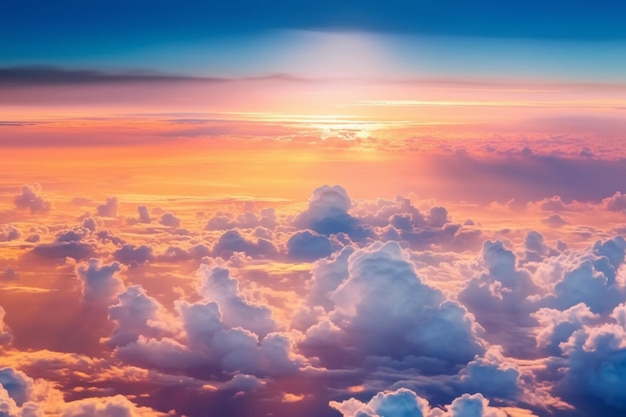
363 315
72 243
307 246
5 332
29 198
218 286
404 402
327 214
589 277
117 406
46 75
23 396
9 233
495 375
383 309
246 220
169 220
401 221
249 219
595 357
232 241
144 214
399 213
328 274
534 242
614 250
176 254
555 220
500 298
107 237
242 382
584 283
400 403
221 221
528 177
75 250
223 333
137 314
73 235
536 248
99 282
617 202
472 405
556 326
109 208
556 204
18 384
211 346
17 395
133 255
90 223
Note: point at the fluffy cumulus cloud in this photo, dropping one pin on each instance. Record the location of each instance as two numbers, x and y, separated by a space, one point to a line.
9 233
5 333
22 396
617 202
401 221
213 344
99 282
398 403
75 243
90 224
221 221
588 276
555 220
383 309
500 297
211 348
16 395
556 326
596 359
308 246
404 402
328 274
144 214
130 254
217 285
536 248
404 306
30 198
177 254
117 406
221 333
246 220
327 214
495 375
508 300
136 314
169 220
232 241
109 208
18 385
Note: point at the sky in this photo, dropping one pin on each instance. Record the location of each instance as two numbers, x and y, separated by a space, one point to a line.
329 209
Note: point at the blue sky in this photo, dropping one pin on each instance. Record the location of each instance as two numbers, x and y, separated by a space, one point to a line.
242 37
150 21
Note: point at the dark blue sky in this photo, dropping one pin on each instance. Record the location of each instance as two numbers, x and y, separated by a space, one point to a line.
122 33
32 25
